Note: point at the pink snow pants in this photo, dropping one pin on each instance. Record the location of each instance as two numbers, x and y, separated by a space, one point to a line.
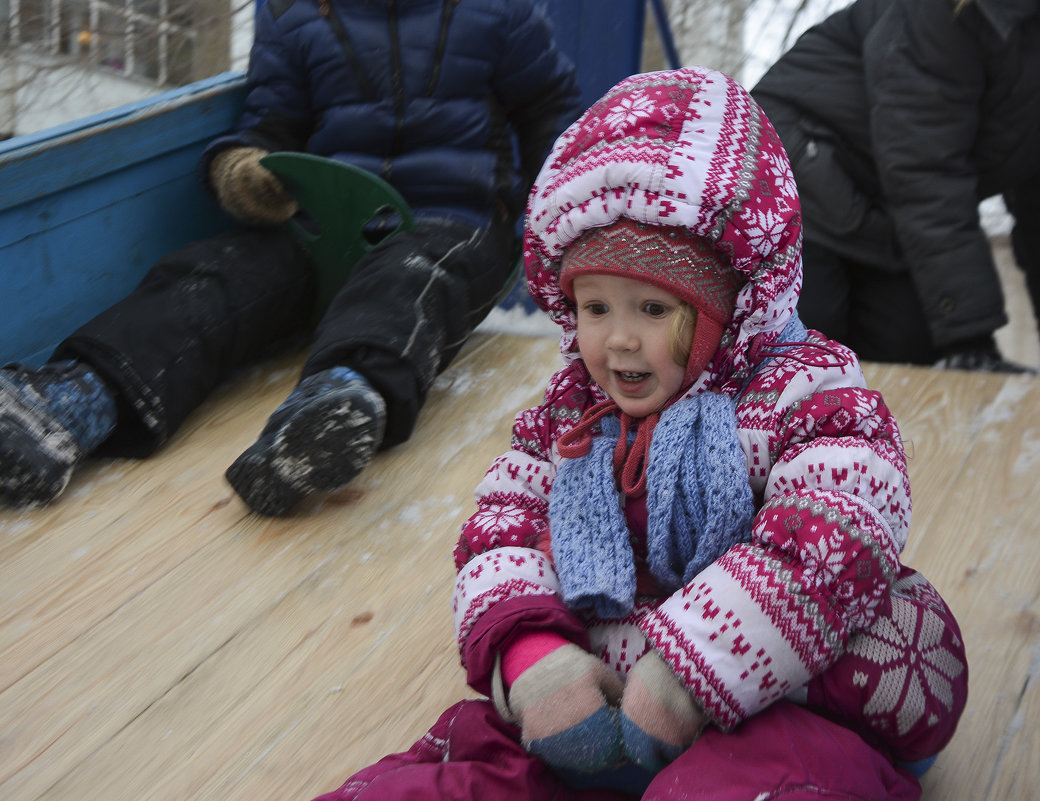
784 752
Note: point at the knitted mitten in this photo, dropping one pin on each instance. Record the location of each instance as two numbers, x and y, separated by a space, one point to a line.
659 718
249 191
50 418
566 705
323 434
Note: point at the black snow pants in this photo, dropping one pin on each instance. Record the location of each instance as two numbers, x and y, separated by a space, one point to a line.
875 312
220 303
878 313
1023 203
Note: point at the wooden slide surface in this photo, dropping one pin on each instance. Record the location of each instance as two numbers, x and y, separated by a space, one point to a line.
159 642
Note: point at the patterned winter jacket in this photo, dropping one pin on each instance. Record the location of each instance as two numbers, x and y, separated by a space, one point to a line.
816 605
427 94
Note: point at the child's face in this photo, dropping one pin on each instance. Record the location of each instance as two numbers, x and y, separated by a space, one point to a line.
624 334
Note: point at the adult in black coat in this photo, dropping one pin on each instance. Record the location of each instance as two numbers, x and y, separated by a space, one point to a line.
900 116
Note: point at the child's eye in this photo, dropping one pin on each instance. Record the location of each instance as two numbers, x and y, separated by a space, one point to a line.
595 308
655 309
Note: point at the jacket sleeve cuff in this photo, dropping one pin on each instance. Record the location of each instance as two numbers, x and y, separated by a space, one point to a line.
723 647
509 620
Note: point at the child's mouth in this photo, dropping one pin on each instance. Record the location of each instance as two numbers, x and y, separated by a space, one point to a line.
630 377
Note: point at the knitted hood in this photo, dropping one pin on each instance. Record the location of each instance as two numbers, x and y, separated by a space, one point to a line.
689 148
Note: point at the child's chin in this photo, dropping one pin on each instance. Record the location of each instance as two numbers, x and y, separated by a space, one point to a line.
637 407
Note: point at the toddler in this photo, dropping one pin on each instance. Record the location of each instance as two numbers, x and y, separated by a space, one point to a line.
683 579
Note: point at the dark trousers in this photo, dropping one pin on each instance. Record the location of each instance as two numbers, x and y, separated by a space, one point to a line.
1024 205
218 304
876 313
853 288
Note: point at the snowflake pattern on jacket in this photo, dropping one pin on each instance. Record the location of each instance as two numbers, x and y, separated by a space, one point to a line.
816 605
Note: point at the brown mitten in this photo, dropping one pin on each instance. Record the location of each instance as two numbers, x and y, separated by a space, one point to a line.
248 191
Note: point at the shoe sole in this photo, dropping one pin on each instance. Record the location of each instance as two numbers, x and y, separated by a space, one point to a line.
319 449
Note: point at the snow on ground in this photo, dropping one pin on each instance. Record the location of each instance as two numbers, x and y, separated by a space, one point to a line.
517 314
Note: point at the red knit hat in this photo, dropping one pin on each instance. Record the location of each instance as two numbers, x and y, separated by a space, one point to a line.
671 258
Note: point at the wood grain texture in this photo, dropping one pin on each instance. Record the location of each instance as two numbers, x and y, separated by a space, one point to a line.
160 642
975 446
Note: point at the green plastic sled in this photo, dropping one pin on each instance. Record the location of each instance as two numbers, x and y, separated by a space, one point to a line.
341 200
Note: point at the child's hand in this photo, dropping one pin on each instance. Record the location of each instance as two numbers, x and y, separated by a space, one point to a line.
566 704
248 190
659 718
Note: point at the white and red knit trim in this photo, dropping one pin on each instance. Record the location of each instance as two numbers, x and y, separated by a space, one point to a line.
851 467
731 655
620 642
517 471
844 557
492 577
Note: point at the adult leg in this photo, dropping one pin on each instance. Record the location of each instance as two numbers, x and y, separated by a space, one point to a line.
470 753
886 319
890 326
408 307
826 288
784 752
199 313
1024 205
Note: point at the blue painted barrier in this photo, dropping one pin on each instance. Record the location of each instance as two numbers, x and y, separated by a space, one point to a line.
86 208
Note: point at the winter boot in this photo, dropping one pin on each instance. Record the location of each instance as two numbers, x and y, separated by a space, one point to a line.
50 418
324 434
980 355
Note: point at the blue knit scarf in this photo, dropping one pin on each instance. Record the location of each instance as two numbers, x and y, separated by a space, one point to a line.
699 505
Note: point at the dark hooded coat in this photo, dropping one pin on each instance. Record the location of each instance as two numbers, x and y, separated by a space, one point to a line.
900 116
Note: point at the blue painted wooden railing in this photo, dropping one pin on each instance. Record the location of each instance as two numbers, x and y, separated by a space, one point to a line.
86 208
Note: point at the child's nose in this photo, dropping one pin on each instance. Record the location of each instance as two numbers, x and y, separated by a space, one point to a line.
622 338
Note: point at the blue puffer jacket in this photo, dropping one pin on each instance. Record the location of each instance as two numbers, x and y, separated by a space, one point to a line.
428 94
